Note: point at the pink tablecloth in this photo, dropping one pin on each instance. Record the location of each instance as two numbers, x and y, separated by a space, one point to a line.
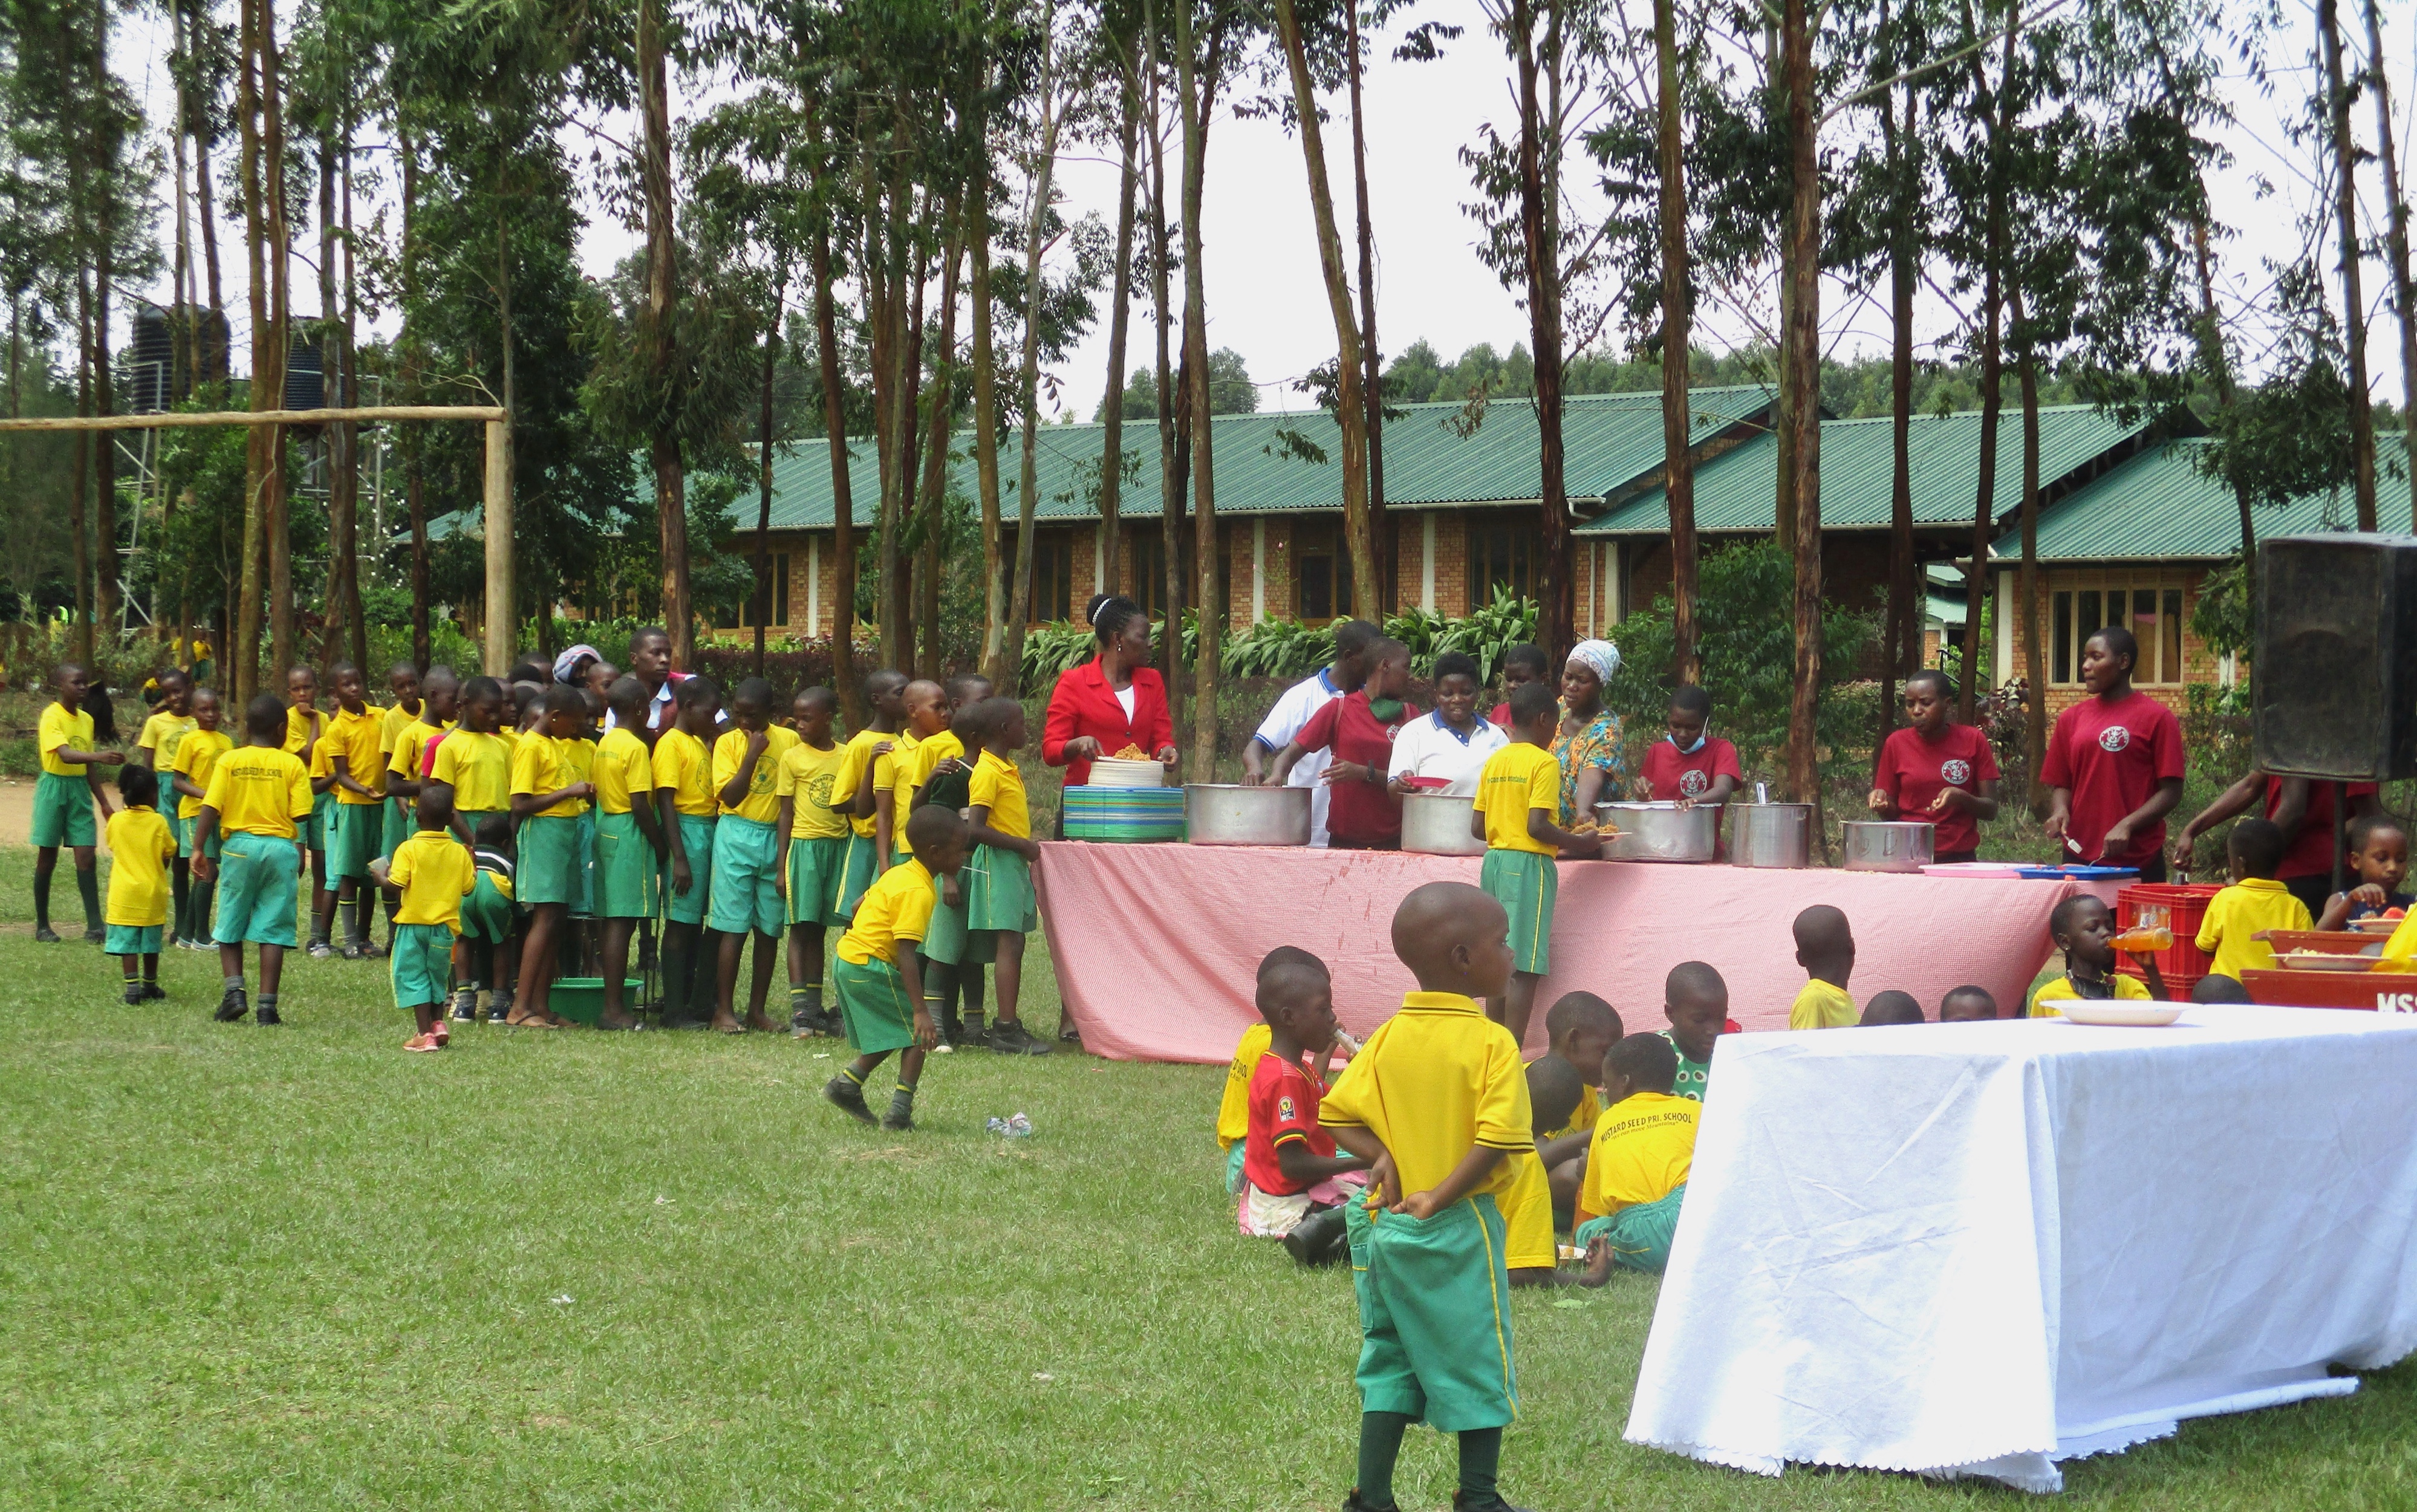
1157 945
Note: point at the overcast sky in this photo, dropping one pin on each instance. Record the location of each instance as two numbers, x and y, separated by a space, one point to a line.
1264 295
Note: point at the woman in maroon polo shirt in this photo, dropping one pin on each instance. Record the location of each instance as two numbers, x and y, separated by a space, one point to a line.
1114 701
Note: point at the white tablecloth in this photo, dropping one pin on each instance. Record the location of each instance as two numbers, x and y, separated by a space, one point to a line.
1980 1248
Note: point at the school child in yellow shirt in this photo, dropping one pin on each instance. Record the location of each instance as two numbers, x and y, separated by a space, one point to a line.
1637 1172
189 778
433 873
880 991
156 747
685 800
489 923
2084 929
474 762
1000 900
1582 1028
305 726
140 848
550 791
1234 1107
64 797
813 852
1825 947
1436 1102
409 755
2237 919
1529 1248
629 848
746 892
943 774
346 762
246 837
1519 818
854 785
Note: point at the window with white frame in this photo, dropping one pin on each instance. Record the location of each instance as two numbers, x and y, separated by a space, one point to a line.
2149 606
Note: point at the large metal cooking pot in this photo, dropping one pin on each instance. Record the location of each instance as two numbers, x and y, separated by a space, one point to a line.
1770 833
1887 845
1227 814
1659 831
1437 823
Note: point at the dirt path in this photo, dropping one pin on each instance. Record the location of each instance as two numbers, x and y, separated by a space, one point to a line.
16 810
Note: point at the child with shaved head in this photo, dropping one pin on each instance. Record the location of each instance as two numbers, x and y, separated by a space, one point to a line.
1637 1173
1435 1102
1825 947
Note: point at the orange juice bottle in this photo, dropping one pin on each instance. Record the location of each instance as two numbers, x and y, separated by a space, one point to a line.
2144 939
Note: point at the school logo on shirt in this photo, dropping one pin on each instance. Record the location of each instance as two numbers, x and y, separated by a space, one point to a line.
1284 1110
2113 738
1692 783
1954 772
818 789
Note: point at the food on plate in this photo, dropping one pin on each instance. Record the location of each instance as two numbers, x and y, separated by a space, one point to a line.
1131 753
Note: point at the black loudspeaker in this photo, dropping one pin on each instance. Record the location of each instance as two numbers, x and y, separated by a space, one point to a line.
2335 682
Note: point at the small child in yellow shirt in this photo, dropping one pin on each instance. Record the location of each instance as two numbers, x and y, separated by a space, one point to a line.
999 898
2084 929
2239 918
433 871
880 989
1519 815
1636 1172
1825 947
141 845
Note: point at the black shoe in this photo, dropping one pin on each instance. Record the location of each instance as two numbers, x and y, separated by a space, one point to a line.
1353 1504
372 950
1460 1502
1010 1038
267 1015
47 935
231 1006
805 1023
351 951
1319 1239
847 1097
151 992
1068 1033
684 1021
133 993
499 1008
465 1006
901 1116
95 936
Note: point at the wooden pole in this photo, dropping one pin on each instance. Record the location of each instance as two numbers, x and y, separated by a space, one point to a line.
170 421
499 548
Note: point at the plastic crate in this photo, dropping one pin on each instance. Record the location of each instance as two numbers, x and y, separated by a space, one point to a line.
2185 902
581 999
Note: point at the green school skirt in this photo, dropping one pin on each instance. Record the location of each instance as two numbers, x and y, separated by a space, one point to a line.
1640 1235
1526 884
549 867
1435 1315
627 875
256 888
816 868
355 833
421 965
998 891
63 811
872 1003
696 838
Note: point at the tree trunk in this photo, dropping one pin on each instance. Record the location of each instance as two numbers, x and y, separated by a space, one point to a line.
414 480
180 325
2403 299
502 465
1112 402
340 520
935 454
1372 384
1678 462
1803 379
993 659
1171 472
267 367
1028 378
1539 99
2027 611
80 477
213 358
656 333
1203 763
351 396
2219 368
2361 411
1904 597
842 639
899 601
1984 507
763 594
280 318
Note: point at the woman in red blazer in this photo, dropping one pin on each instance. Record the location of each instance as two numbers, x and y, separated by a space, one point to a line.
1114 701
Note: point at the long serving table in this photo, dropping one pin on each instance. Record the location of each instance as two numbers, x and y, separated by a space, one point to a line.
1983 1249
1157 946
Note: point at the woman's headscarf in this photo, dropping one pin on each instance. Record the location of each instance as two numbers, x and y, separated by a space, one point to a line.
565 666
1601 656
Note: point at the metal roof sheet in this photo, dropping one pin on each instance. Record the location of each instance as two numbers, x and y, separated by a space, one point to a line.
2159 506
1737 492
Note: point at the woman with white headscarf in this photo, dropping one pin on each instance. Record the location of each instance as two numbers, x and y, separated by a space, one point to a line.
1588 743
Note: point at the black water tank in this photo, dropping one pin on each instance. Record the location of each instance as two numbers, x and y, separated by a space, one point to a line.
306 386
2335 682
151 364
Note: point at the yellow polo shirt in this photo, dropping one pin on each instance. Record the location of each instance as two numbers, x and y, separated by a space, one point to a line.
898 906
1435 1079
1234 1109
849 777
435 871
163 734
140 847
1823 1005
1516 779
354 738
806 778
998 787
298 727
62 731
544 764
624 772
1643 1148
1582 1117
407 758
392 722
258 791
2242 910
762 802
2127 990
682 765
197 754
478 767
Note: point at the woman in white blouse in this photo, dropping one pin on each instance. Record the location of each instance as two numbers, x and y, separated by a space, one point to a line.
1447 749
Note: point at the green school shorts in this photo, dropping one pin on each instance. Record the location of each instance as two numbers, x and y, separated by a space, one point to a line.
396 822
486 914
582 876
998 891
355 833
1435 1315
63 811
746 888
627 875
854 875
1526 884
133 940
815 867
313 832
255 893
944 938
180 829
872 1003
696 838
1640 1235
547 869
422 966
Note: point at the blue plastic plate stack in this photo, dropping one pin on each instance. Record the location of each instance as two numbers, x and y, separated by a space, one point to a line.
1126 801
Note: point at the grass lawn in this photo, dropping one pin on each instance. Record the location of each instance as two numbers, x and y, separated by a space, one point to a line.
299 1269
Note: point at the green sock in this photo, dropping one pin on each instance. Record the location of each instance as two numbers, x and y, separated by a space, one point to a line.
1481 1457
1380 1444
813 991
88 884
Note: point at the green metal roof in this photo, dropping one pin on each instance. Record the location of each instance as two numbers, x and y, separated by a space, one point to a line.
1610 441
1735 491
2159 506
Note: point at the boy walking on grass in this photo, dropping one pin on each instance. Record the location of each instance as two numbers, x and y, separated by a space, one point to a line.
258 799
880 990
1519 817
433 873
141 845
1435 1102
63 798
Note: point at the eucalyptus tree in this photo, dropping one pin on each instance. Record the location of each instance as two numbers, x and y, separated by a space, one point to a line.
2395 242
2339 93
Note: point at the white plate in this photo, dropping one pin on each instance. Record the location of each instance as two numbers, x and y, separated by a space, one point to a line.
2133 1014
2374 926
2322 961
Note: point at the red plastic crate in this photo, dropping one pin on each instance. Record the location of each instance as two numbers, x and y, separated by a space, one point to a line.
2185 904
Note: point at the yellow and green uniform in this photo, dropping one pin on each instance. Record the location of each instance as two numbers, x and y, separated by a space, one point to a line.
162 732
1519 870
2122 989
1234 1108
1636 1177
746 843
262 797
479 768
551 868
1434 1081
62 797
684 768
628 872
946 941
1823 1005
873 1001
356 831
197 755
140 848
999 893
860 866
433 871
298 741
2248 907
818 837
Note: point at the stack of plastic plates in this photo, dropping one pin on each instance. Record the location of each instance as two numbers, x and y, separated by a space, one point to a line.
1115 772
1124 814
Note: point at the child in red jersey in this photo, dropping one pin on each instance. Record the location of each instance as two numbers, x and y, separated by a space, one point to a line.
1290 1169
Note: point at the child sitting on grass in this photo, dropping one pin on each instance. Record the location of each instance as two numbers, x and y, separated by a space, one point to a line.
1434 1103
1696 1001
1582 1028
880 990
2084 929
140 846
1529 1248
1637 1173
2378 854
1825 947
1966 1005
1291 1168
1891 1007
2238 920
1519 815
433 873
1234 1108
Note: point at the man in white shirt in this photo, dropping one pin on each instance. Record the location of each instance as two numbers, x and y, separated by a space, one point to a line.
650 662
1352 639
1452 744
